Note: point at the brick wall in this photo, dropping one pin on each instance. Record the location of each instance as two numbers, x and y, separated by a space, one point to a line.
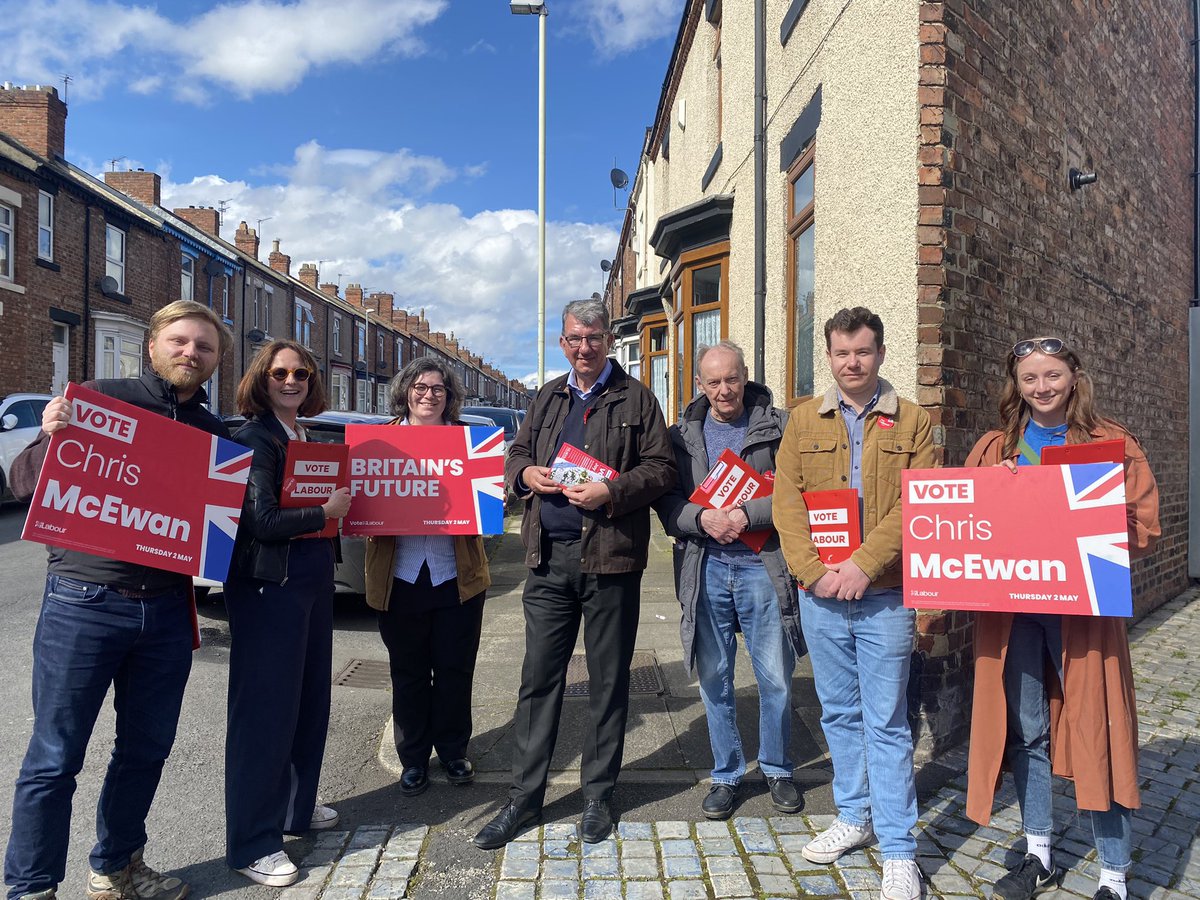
1012 96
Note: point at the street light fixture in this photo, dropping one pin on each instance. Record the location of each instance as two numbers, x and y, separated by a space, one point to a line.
539 10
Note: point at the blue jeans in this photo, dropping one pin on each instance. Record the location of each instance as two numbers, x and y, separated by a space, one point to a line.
89 637
1033 638
860 652
731 593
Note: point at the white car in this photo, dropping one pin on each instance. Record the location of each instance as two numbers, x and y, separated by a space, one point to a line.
20 419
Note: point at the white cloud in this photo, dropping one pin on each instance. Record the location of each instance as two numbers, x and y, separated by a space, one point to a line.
246 46
618 26
364 213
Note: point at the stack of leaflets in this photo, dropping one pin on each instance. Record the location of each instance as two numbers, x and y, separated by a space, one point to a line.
572 467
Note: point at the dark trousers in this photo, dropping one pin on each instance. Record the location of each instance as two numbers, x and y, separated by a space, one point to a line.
557 595
89 637
431 653
280 668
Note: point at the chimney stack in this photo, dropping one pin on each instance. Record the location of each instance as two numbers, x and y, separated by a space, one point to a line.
329 289
144 187
309 275
280 262
354 293
36 117
246 240
203 217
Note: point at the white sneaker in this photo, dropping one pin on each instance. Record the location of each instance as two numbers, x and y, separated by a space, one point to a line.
275 870
835 840
323 817
901 880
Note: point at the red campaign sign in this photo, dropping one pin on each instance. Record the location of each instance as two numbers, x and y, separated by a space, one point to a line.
131 485
833 524
1049 539
731 482
425 479
311 474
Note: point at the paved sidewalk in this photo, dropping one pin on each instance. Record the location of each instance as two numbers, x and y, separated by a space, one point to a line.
662 852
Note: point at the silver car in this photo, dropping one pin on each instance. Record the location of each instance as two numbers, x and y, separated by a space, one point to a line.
20 420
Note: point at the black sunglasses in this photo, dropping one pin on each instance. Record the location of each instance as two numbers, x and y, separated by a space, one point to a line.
1050 346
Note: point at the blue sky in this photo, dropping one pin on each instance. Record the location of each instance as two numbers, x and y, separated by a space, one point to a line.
393 139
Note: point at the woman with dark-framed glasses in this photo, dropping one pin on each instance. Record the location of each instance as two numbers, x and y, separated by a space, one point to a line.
280 602
429 591
1054 693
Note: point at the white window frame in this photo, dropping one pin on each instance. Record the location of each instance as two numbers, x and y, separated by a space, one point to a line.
337 334
225 298
268 294
360 340
114 265
339 389
187 277
128 338
303 322
8 239
381 397
362 395
46 225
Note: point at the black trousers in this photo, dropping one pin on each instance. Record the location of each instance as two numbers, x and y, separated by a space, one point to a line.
557 595
280 670
431 653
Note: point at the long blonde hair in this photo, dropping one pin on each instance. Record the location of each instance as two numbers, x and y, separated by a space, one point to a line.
1082 417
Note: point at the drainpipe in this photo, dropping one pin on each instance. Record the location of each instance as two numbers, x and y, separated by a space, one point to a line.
760 190
1194 322
87 287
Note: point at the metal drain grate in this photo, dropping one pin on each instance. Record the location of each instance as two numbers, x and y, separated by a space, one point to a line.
644 676
365 673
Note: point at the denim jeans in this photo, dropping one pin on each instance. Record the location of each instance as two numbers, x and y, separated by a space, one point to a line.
730 593
89 637
861 651
1032 639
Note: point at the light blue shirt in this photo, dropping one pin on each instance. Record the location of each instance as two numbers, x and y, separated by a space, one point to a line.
580 394
854 431
436 550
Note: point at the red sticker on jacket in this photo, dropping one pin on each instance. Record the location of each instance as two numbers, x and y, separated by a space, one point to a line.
885 422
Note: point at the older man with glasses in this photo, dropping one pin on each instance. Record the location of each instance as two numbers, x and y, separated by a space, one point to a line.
586 547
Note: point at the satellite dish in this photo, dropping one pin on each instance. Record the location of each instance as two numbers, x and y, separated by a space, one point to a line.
606 265
108 285
618 178
214 267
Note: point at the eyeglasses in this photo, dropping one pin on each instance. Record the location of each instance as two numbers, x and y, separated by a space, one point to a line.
281 374
438 390
594 340
1050 346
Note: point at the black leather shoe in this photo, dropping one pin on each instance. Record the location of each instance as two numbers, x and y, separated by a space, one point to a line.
719 802
1105 893
459 771
414 780
509 822
784 795
597 823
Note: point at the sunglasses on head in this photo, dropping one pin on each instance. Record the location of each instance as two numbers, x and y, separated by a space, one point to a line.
1050 346
281 374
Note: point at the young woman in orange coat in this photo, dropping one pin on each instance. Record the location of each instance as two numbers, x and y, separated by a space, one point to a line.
1054 693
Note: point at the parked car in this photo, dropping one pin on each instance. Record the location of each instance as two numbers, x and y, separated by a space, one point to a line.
508 419
20 419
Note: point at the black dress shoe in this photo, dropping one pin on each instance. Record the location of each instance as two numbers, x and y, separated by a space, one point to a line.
459 771
414 780
784 795
597 823
719 802
509 822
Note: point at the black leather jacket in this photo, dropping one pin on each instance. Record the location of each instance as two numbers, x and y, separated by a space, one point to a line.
266 530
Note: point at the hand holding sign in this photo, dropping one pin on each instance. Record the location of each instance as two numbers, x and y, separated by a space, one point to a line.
338 504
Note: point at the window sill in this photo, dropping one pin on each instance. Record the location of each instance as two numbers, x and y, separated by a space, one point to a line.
6 285
48 264
227 320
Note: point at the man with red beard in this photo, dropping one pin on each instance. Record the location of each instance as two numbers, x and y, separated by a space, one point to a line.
107 623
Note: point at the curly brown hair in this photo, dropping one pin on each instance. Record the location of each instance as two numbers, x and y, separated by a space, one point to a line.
252 396
1082 417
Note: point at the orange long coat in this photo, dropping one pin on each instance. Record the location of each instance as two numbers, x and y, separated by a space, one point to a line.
1093 716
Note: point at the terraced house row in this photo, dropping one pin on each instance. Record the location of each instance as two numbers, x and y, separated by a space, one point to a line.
85 262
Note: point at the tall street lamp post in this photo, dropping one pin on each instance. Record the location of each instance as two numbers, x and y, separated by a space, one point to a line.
539 9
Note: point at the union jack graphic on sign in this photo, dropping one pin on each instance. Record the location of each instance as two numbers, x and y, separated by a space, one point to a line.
228 470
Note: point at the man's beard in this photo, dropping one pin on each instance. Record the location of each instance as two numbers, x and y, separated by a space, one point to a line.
182 376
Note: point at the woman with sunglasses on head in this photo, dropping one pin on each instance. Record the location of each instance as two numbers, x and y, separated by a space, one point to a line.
1055 692
280 602
429 591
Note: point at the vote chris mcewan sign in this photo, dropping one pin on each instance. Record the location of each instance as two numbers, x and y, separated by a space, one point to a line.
1049 539
131 485
425 479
